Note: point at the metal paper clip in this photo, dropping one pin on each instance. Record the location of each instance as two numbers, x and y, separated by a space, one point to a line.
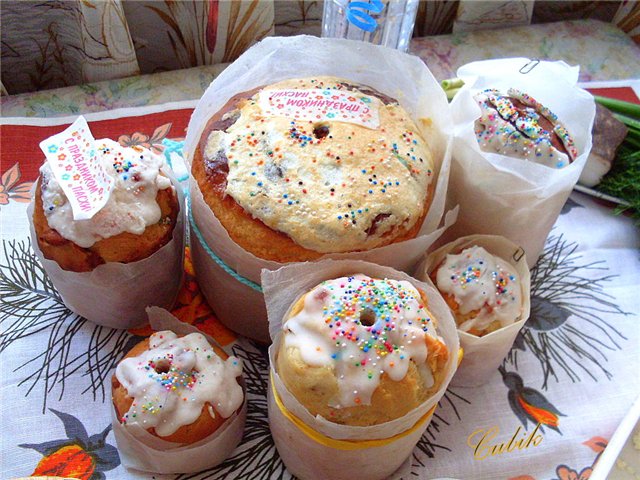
518 254
530 65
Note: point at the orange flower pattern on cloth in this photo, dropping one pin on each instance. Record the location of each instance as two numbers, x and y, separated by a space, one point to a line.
192 308
79 455
10 189
153 143
566 473
71 461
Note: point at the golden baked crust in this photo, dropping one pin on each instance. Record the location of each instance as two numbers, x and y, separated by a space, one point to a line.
124 247
315 386
460 317
463 317
264 241
204 425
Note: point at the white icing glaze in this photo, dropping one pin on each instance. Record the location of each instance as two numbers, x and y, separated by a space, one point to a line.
325 193
171 382
362 328
508 130
480 281
131 207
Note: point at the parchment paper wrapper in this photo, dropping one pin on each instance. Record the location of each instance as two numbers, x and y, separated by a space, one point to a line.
116 294
483 355
306 458
140 450
501 195
404 77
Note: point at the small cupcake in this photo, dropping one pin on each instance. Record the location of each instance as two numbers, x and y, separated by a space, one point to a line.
482 290
514 161
180 389
361 351
516 125
137 220
485 281
107 224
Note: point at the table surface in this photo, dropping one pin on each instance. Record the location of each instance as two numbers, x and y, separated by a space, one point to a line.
573 370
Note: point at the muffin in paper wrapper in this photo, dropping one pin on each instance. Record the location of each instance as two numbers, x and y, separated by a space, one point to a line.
232 275
313 447
508 196
116 294
139 450
483 355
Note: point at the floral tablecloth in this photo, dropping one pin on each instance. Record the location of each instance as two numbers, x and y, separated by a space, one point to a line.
560 394
547 413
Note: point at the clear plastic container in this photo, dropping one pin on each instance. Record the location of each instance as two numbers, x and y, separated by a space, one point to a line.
381 22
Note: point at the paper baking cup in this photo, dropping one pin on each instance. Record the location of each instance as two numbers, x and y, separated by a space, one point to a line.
246 314
236 300
406 78
116 294
483 355
315 448
140 450
502 195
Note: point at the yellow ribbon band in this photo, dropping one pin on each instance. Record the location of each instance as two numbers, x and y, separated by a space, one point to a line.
344 444
348 444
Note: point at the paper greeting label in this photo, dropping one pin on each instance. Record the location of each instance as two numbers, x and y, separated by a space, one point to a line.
318 105
72 157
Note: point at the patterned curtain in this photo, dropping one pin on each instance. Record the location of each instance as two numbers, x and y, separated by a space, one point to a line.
59 43
56 43
297 17
627 19
179 34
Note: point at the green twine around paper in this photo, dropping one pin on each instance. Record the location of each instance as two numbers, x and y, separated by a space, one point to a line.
216 258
